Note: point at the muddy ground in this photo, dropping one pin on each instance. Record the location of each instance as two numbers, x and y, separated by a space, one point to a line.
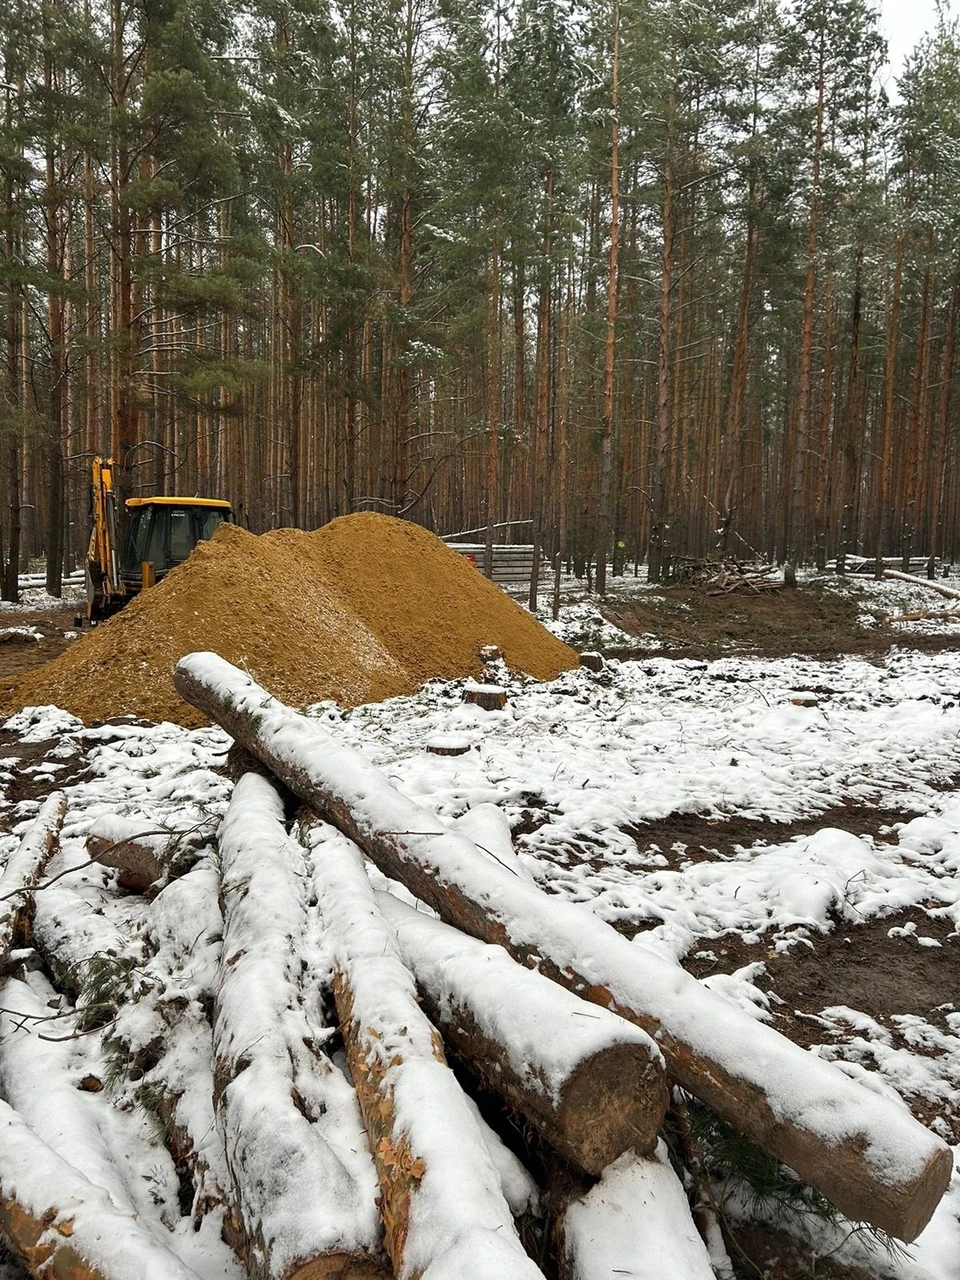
815 620
21 653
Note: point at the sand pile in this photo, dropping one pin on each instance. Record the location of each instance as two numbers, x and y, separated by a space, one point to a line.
363 609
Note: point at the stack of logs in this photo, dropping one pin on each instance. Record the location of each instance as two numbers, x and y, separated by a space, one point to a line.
580 1032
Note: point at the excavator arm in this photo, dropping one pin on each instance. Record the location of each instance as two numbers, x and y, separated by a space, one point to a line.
105 590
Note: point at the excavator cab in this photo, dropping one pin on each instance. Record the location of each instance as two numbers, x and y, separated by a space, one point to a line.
160 533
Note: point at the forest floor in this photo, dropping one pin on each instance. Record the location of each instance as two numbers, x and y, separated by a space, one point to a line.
762 791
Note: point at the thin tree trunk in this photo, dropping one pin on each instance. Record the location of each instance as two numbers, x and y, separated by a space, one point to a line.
604 513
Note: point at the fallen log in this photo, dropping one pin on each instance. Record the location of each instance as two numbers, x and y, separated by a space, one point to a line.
24 868
636 1221
592 1084
64 1227
172 1043
304 1185
443 1209
865 1154
135 847
949 592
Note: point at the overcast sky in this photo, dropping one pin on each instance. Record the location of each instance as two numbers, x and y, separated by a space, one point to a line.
904 22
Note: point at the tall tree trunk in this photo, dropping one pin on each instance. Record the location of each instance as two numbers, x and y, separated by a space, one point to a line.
543 380
886 439
659 512
604 512
798 535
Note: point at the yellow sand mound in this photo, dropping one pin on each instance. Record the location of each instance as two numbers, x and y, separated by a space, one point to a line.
365 608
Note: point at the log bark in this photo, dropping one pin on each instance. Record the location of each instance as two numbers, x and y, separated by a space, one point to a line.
593 1085
304 1188
443 1209
64 1227
869 1157
24 869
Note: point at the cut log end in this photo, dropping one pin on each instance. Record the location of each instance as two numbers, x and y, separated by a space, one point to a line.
135 862
339 1266
613 1103
906 1208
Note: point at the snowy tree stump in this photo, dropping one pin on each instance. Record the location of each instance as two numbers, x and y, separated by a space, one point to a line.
592 661
636 1221
488 696
868 1156
592 1085
24 869
448 745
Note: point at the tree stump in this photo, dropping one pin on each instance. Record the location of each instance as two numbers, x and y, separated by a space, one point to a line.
488 696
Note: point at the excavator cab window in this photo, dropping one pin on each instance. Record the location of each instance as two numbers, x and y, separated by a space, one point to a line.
165 534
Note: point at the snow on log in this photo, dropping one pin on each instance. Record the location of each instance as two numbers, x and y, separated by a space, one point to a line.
25 866
635 1221
864 1153
135 847
949 592
443 1209
487 826
168 1031
591 1083
305 1189
65 1227
519 1189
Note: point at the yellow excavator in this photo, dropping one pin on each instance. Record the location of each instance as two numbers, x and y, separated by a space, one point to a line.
159 534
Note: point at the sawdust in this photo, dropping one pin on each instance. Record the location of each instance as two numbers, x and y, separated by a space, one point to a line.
363 609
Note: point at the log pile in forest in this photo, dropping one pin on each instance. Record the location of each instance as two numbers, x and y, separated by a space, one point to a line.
873 1161
362 609
327 1130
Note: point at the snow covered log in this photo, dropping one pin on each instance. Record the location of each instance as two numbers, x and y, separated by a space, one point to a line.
635 1221
134 847
25 866
897 576
64 1227
443 1208
304 1183
591 1083
864 1153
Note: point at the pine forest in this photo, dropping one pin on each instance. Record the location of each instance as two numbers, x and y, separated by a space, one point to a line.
637 281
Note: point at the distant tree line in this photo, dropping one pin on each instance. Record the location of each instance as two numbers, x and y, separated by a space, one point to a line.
634 279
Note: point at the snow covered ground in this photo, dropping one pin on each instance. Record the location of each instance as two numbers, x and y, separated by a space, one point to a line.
577 767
